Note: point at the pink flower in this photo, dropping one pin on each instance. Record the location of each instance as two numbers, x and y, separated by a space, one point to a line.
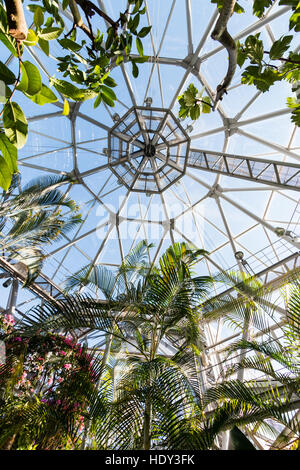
67 366
18 338
63 353
50 381
60 380
9 320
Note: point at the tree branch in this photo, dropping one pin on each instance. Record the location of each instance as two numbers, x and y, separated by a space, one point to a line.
221 35
90 9
285 60
78 20
16 19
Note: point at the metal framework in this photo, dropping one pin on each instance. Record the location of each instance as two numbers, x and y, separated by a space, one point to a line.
148 149
228 182
283 175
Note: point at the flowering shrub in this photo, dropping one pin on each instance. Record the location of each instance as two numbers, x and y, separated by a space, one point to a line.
52 372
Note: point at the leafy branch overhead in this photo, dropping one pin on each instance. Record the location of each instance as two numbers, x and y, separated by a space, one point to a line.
84 65
94 44
267 67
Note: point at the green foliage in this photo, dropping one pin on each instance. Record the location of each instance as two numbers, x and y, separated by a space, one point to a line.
259 6
88 64
15 124
279 47
295 106
262 79
32 219
237 7
263 74
31 82
6 75
146 400
192 103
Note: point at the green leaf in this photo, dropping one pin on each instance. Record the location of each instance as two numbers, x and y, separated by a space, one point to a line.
280 46
144 31
254 48
15 124
109 101
110 38
138 5
31 82
295 106
205 107
44 96
262 80
71 91
195 112
66 109
38 17
108 92
69 44
50 33
98 100
31 39
44 45
120 59
9 153
109 82
241 55
139 46
23 84
5 175
135 22
135 70
6 75
259 6
9 43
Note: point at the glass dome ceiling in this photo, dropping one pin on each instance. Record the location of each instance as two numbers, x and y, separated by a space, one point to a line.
142 173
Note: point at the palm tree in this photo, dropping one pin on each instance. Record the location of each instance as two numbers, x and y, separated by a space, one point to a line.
272 388
34 218
145 308
145 398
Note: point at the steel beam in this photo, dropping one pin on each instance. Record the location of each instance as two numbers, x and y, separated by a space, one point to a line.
280 174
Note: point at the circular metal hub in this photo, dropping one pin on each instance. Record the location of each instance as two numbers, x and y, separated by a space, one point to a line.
150 150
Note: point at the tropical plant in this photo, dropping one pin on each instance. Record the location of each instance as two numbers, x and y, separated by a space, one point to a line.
33 218
85 62
145 398
162 305
44 388
272 387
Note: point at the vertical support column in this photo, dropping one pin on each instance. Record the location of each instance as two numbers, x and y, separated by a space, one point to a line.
12 299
